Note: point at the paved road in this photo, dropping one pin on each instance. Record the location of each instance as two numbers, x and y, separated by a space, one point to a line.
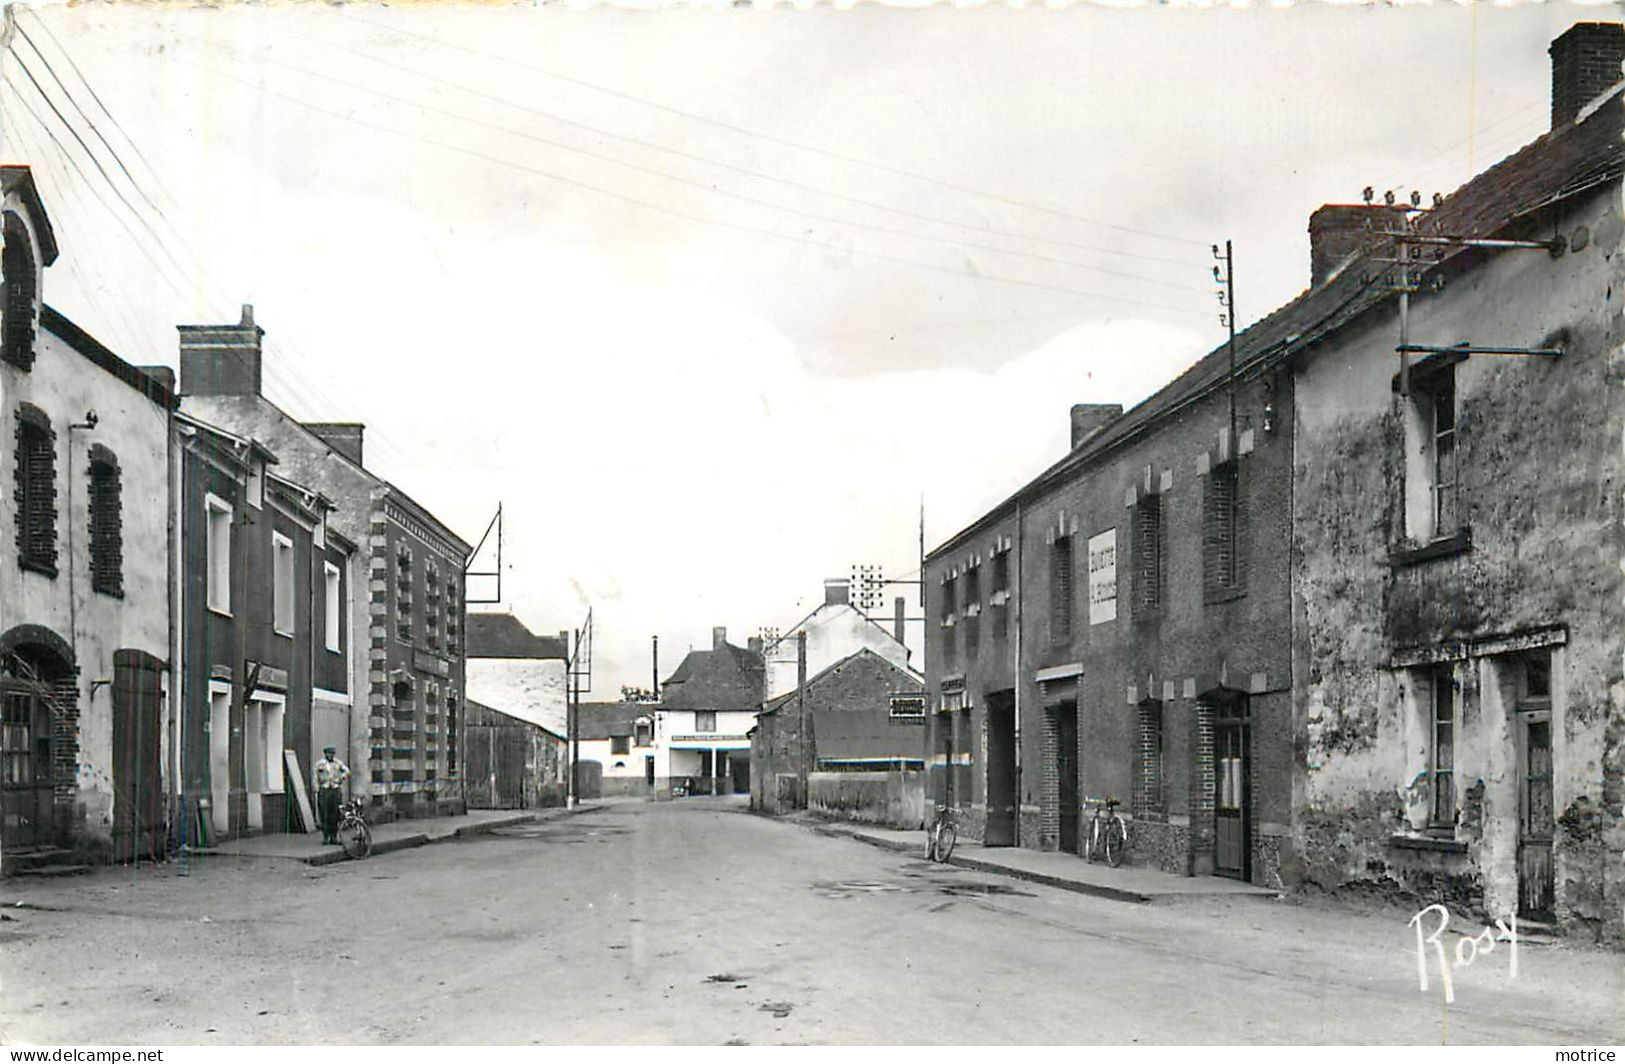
694 922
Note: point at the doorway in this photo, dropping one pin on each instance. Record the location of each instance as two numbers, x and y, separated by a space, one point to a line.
138 812
1065 717
220 761
1232 827
649 769
1536 815
1001 769
25 767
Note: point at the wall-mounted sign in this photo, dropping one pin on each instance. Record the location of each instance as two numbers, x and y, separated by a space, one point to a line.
1103 577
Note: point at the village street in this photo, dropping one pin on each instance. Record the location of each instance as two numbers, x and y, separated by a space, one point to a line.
694 922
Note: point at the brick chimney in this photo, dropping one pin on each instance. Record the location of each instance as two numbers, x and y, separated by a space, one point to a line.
162 374
221 359
838 592
343 436
1585 64
1090 418
719 637
754 645
1337 231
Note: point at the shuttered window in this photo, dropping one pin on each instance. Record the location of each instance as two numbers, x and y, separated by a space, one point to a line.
1060 590
1148 555
17 269
35 492
1221 532
1442 752
106 524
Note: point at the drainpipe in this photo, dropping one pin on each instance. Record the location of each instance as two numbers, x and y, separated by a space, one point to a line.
1021 601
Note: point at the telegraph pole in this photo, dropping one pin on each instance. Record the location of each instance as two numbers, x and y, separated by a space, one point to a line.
801 712
1227 299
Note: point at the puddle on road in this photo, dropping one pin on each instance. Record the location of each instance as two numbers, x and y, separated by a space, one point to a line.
545 833
963 888
984 888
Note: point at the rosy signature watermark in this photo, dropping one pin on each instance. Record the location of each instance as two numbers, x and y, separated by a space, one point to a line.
1468 947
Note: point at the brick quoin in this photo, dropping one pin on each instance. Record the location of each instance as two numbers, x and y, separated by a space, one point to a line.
1203 786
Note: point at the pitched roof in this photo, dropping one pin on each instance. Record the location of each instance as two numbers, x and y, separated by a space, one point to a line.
728 677
904 678
604 720
1559 164
502 635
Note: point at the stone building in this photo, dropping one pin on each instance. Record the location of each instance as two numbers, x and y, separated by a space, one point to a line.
84 564
1460 700
404 699
865 738
261 630
834 631
1120 627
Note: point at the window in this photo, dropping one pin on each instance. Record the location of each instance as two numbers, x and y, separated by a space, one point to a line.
643 732
705 720
217 544
1148 555
281 584
334 607
106 524
619 744
451 735
17 268
1442 750
1060 590
1432 479
999 593
403 594
948 610
36 491
972 607
1221 533
1148 800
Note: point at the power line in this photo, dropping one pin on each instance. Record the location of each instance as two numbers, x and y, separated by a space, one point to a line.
696 157
711 188
721 223
768 137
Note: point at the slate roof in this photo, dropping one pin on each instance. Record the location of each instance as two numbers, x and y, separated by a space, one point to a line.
913 680
726 678
502 635
1559 164
604 720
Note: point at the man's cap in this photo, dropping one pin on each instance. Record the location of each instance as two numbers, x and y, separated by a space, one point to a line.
329 749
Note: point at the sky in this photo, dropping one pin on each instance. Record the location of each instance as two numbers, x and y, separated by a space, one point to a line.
712 300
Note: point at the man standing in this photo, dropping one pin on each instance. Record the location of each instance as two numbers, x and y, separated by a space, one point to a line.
331 775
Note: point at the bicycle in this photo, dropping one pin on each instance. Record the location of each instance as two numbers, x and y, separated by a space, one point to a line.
941 835
1108 836
354 834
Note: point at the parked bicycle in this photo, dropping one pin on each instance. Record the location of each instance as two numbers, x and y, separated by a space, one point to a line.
941 835
354 834
1108 835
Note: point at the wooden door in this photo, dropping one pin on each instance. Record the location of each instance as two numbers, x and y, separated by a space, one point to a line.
1232 825
138 811
1536 817
25 767
1001 770
1066 773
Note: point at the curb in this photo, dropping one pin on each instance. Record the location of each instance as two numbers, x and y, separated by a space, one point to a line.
976 865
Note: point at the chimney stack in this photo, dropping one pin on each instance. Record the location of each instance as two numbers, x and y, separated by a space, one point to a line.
754 645
719 637
343 436
1090 418
897 619
838 592
1338 231
1585 64
221 359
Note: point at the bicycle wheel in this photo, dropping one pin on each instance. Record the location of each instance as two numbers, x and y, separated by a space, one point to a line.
1114 841
946 837
356 838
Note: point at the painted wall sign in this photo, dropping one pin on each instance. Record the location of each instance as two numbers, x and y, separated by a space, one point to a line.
1103 577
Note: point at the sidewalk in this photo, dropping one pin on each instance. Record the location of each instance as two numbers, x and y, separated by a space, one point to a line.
396 835
1052 869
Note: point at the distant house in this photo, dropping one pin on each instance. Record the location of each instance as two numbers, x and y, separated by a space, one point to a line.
617 749
514 670
513 763
706 709
865 715
834 631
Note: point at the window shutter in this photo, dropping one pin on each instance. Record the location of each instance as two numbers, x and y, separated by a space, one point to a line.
106 529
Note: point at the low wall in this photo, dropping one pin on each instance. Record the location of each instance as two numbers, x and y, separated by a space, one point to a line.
895 799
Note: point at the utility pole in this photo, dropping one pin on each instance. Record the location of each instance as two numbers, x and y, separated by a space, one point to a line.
801 712
1227 300
574 709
